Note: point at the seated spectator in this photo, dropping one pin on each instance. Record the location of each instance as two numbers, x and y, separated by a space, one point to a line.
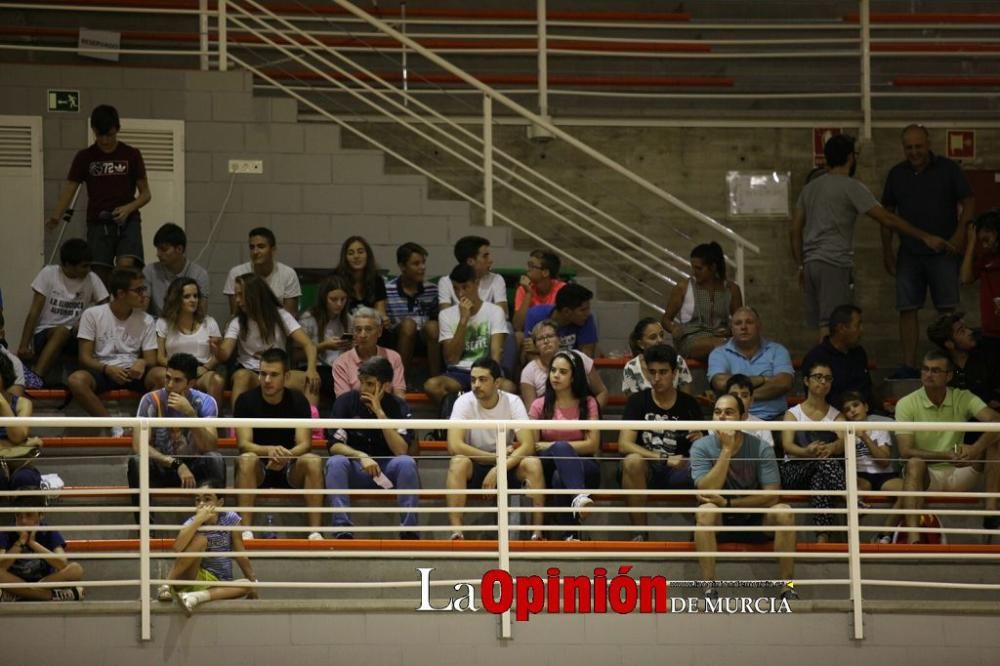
938 461
261 324
577 326
655 456
328 325
179 457
742 388
20 381
876 471
538 286
15 474
358 268
473 451
765 362
200 534
117 346
412 307
183 327
568 455
474 251
369 458
471 331
536 373
733 460
367 326
974 365
60 294
27 538
841 351
814 458
171 246
635 376
282 279
981 261
699 308
276 457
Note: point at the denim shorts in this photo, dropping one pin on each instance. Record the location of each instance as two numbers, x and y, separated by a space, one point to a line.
915 273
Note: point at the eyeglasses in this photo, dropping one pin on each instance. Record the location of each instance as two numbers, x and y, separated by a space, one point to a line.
933 371
536 267
545 338
139 290
823 379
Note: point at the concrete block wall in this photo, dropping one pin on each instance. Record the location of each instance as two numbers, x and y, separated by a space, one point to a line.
313 193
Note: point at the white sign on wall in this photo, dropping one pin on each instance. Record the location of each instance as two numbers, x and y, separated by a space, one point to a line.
758 193
99 44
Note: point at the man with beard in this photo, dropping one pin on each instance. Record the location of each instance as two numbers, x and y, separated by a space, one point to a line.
822 233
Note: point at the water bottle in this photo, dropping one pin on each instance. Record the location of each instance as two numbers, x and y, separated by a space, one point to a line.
269 532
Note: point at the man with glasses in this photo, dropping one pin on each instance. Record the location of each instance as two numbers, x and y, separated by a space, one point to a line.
823 231
931 192
538 286
939 461
117 346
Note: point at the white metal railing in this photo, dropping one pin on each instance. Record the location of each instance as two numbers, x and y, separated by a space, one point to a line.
504 551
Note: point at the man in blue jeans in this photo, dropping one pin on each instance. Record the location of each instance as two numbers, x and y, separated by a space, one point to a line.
368 458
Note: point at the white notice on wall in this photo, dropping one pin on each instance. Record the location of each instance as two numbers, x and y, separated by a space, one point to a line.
758 193
99 44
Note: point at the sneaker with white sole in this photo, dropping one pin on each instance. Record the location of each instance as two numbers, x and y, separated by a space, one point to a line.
117 431
163 593
185 600
6 595
315 536
581 506
247 535
67 594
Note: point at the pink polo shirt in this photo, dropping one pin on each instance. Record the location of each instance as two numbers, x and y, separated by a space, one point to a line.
345 371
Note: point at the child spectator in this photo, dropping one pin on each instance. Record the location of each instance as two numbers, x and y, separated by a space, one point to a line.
357 266
328 325
185 328
61 294
31 536
200 534
982 262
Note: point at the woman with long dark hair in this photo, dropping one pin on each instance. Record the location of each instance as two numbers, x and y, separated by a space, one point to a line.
185 328
328 325
260 324
357 266
568 455
698 310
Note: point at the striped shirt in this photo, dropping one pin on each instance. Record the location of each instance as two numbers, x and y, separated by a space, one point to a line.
421 308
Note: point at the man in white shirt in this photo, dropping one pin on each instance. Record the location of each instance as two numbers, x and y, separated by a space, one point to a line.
281 278
60 295
474 251
473 451
469 331
117 345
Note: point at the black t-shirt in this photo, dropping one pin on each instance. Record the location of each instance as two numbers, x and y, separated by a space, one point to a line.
850 370
369 440
293 405
642 407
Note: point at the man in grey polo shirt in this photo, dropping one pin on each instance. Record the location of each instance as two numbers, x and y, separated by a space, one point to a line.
823 232
171 247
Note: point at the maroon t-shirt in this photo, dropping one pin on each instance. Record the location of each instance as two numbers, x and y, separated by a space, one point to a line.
110 177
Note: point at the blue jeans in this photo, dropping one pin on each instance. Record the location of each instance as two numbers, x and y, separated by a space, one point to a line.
566 470
344 473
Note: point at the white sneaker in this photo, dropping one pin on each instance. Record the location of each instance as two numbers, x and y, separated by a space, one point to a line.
315 536
581 506
163 593
117 431
247 535
185 600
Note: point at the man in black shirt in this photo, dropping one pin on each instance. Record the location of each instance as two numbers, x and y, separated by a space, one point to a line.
369 458
657 458
276 457
843 353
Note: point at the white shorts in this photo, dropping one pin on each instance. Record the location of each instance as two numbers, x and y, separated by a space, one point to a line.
951 479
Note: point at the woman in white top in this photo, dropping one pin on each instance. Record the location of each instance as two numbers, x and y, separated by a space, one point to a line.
635 376
568 455
536 372
813 459
185 328
260 324
328 325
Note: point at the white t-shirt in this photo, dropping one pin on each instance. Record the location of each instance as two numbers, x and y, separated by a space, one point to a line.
508 407
536 375
283 280
866 462
478 331
492 289
65 298
249 349
116 342
763 435
195 343
334 329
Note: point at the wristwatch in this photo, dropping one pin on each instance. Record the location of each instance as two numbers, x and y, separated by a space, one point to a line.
175 464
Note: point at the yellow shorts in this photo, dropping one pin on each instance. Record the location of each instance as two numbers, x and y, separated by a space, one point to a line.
203 575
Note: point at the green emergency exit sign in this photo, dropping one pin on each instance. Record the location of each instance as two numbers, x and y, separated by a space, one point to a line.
64 101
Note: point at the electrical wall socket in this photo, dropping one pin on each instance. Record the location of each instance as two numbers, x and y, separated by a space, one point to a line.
246 166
